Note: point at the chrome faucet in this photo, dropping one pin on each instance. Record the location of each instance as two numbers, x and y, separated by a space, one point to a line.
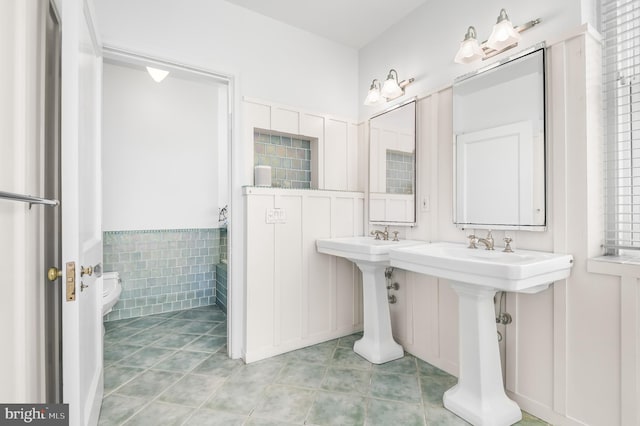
384 234
487 241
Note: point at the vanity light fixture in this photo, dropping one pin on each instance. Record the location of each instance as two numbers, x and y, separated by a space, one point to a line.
504 36
470 50
374 97
391 89
156 74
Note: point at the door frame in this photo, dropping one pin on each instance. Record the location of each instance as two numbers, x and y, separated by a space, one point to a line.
52 239
235 334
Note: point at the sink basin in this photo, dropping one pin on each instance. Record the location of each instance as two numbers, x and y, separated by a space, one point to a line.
372 258
362 248
523 271
476 275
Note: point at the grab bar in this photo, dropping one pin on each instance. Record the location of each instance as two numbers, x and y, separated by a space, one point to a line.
28 199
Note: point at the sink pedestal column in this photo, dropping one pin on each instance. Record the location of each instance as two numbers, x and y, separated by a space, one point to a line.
377 344
479 396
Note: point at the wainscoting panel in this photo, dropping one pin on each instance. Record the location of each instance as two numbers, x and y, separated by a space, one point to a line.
297 297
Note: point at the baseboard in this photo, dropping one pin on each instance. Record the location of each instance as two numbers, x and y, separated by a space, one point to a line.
543 412
250 356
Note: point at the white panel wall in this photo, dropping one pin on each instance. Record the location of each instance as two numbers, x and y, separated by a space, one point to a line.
285 120
353 156
160 151
297 297
567 361
335 152
320 306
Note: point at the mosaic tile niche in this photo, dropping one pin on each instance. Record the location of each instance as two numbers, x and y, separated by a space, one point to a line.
289 157
162 270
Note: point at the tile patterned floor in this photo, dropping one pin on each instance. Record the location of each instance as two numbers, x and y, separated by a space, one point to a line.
172 369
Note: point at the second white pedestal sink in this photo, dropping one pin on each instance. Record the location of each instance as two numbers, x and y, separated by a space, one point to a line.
372 257
476 275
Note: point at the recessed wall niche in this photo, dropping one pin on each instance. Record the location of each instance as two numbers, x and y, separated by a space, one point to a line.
292 158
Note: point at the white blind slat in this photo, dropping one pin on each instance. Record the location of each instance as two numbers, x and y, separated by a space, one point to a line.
620 21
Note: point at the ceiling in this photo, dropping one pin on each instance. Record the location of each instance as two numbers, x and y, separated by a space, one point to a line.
353 23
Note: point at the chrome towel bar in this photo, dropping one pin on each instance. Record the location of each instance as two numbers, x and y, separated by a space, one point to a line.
28 199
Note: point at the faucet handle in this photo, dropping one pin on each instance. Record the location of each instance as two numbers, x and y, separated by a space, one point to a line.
395 236
375 234
507 245
472 241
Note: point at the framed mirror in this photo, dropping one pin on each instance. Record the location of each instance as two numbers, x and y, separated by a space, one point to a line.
499 137
392 165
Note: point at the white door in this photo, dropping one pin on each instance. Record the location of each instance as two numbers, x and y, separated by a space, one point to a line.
81 215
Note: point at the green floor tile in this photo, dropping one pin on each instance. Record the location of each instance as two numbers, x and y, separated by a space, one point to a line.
384 413
295 410
335 409
347 380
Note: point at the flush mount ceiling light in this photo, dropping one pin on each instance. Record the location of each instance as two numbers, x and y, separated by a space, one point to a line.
504 36
391 89
470 50
156 74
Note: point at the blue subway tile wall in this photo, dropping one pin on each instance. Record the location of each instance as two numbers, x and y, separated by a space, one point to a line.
223 245
221 273
162 270
289 158
400 172
221 286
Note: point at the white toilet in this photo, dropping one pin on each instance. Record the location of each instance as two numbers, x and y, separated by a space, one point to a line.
112 287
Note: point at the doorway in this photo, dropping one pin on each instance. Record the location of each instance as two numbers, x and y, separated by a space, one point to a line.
166 183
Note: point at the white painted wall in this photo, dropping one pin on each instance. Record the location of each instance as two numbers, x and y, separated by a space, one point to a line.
161 159
424 44
271 60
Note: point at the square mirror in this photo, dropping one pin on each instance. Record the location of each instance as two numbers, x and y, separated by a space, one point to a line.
392 165
499 137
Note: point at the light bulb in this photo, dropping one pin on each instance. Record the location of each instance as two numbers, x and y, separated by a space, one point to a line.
503 34
390 88
470 49
156 74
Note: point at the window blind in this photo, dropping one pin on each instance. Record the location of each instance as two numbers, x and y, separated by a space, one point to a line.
621 85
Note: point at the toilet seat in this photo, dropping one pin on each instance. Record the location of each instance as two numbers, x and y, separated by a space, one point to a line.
112 287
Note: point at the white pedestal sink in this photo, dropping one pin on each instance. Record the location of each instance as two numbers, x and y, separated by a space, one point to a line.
476 276
372 257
